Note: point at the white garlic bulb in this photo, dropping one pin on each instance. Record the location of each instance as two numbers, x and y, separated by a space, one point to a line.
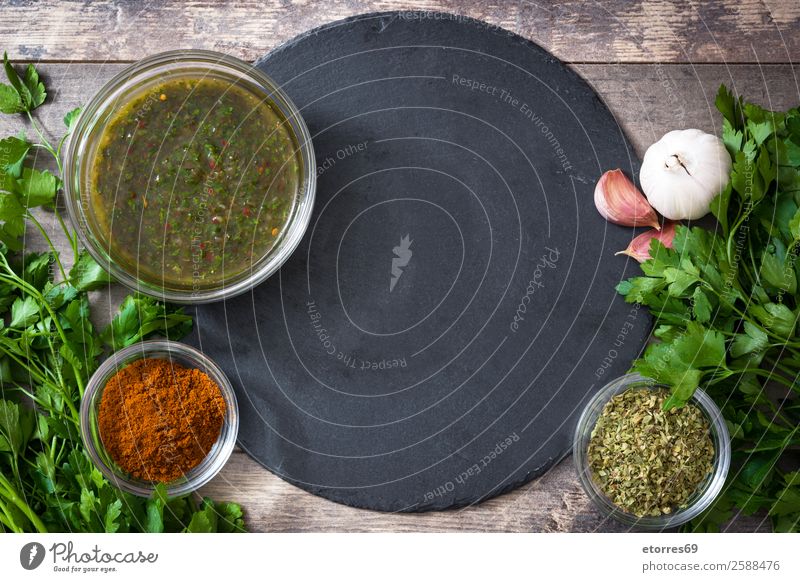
683 172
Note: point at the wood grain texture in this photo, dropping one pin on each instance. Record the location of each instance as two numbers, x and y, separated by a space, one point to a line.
695 31
554 502
648 100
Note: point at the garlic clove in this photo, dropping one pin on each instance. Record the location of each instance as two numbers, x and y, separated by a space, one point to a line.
619 201
639 248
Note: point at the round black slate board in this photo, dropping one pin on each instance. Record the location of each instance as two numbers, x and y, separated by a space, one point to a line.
464 157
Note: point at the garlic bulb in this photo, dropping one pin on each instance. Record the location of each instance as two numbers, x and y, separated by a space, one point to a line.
683 172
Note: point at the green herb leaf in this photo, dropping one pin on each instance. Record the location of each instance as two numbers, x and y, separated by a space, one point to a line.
204 520
701 305
87 275
683 386
35 87
760 131
24 312
13 150
11 430
112 516
22 90
754 340
154 520
728 106
140 317
71 118
10 101
38 188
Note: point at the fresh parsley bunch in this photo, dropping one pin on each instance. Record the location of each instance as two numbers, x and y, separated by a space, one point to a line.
48 351
726 305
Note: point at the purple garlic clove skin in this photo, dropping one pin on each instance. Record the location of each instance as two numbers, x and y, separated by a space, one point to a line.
639 248
619 201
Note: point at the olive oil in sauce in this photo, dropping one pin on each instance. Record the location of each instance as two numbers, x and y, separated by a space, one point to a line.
194 181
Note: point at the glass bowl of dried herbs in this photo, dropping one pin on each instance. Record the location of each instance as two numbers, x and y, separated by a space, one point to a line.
159 412
645 464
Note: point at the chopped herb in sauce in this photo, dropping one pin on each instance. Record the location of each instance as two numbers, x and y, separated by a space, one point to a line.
194 181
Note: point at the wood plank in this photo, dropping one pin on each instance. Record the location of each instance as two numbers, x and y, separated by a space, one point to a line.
649 100
553 503
690 31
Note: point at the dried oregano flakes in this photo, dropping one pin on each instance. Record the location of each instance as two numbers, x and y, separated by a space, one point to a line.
646 460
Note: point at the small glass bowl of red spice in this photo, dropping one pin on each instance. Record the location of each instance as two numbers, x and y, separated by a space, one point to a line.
159 411
646 467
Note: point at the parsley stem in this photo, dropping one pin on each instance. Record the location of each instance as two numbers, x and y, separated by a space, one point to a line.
22 284
42 230
45 143
6 519
61 144
8 491
766 374
29 366
72 236
744 317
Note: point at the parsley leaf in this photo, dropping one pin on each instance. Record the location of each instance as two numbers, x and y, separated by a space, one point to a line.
35 87
87 275
38 188
10 101
30 90
21 88
24 312
71 118
140 317
14 151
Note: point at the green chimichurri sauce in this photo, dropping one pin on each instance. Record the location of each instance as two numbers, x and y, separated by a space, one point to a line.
194 181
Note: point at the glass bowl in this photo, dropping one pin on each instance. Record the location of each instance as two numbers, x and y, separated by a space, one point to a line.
132 83
174 352
706 492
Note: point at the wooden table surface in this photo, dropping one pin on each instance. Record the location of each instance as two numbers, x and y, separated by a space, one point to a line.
656 63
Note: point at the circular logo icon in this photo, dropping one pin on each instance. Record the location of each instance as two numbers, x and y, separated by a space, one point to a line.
31 555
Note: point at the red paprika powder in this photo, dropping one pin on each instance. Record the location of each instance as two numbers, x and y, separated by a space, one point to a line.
159 419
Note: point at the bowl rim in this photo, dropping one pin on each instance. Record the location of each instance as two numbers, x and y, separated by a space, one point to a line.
143 69
706 492
183 354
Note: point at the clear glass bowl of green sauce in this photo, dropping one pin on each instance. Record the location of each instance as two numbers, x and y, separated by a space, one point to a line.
705 492
190 176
